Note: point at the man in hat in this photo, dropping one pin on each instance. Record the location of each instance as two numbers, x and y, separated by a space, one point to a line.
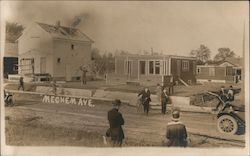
145 98
164 101
115 122
176 134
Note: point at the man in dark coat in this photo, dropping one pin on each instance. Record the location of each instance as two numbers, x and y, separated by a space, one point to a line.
21 84
145 98
176 134
115 122
164 101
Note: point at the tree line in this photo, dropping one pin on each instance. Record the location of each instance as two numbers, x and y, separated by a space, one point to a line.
203 54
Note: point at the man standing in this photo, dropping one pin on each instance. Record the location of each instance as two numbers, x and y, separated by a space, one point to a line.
176 134
54 86
21 83
164 101
145 97
230 94
115 122
84 75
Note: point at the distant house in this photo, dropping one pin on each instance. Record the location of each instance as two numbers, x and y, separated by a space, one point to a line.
10 59
151 68
222 72
53 49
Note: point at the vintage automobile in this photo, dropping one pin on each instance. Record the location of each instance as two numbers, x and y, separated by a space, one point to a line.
230 116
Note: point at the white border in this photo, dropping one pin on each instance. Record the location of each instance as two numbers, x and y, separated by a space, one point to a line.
148 151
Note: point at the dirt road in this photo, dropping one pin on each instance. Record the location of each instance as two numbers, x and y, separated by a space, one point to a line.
36 123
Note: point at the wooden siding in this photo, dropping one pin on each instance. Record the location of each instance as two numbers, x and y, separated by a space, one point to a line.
184 74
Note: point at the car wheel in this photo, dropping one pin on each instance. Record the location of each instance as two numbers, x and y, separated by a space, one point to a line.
227 124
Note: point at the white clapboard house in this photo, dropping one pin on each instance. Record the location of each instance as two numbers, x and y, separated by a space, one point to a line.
53 49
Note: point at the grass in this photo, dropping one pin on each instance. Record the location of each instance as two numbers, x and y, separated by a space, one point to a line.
32 132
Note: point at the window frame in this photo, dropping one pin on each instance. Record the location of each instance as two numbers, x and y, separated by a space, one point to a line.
185 65
157 66
149 69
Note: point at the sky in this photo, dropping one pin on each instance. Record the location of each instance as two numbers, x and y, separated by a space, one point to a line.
170 27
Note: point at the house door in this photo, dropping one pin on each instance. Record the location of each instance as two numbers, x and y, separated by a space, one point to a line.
68 73
179 68
43 65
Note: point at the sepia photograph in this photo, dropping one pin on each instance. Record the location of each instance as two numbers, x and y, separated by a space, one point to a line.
124 77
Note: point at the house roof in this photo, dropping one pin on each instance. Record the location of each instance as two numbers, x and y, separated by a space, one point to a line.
63 32
235 61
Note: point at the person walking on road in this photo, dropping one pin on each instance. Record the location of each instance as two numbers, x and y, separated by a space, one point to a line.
21 84
176 134
164 101
115 122
145 97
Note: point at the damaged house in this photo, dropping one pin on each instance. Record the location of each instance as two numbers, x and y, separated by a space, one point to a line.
55 50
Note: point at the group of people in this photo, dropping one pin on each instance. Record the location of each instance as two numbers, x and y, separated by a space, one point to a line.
144 98
176 134
226 96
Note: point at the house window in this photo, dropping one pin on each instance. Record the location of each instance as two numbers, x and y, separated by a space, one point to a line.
229 71
157 67
211 71
198 71
72 46
142 67
185 65
58 60
151 67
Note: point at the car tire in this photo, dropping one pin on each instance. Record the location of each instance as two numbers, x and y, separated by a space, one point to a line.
227 124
